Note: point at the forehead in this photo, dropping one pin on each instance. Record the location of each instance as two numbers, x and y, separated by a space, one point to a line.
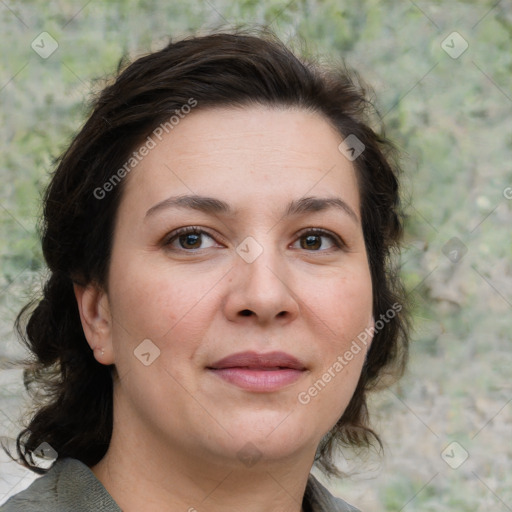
245 155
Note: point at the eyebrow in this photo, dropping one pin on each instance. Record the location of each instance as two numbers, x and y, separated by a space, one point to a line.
193 202
211 205
318 204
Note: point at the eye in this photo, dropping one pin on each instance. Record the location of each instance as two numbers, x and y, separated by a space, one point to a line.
189 239
314 240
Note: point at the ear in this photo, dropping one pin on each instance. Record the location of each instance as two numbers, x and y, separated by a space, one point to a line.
96 320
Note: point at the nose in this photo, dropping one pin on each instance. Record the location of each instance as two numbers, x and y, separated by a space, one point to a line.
262 290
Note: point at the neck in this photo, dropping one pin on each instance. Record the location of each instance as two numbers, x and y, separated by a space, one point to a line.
138 481
147 477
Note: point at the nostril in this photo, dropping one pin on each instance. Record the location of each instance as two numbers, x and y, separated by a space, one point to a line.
246 312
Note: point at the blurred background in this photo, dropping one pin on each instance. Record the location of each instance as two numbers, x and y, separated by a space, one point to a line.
441 71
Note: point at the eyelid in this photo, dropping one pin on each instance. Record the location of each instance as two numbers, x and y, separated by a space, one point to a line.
186 230
337 240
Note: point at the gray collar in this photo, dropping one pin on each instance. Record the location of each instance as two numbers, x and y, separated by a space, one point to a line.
71 485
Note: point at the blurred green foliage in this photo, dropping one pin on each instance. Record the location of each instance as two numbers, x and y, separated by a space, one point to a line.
450 118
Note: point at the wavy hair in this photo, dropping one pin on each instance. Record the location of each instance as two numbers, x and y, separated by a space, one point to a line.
73 393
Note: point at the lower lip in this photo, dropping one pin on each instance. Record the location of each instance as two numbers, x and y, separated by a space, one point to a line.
259 380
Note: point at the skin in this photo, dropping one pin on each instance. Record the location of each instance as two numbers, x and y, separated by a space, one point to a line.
178 427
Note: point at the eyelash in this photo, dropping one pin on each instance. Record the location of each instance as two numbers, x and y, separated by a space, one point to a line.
337 241
185 231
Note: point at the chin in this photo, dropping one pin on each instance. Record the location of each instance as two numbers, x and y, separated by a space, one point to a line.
272 438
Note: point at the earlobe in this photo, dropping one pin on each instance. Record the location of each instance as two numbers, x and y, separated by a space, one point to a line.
96 320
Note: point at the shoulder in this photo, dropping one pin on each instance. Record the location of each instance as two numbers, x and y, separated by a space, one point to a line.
68 485
71 485
319 499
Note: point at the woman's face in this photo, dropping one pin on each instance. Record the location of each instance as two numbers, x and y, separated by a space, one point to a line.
222 334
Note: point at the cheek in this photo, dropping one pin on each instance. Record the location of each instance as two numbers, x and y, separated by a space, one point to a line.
152 302
344 307
168 307
333 382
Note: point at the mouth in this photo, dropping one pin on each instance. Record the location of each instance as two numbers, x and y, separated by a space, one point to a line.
259 372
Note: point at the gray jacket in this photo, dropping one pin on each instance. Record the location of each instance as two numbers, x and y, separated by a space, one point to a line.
70 486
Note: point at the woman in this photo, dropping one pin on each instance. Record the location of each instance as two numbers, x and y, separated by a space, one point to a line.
221 297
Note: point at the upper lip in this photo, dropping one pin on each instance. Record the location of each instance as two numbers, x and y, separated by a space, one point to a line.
258 361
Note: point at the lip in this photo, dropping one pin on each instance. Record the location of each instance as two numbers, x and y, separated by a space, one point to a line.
252 371
255 361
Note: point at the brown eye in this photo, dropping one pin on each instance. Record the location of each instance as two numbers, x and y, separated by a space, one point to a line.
190 239
319 240
311 242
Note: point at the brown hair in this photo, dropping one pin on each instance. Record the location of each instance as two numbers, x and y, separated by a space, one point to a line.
74 392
